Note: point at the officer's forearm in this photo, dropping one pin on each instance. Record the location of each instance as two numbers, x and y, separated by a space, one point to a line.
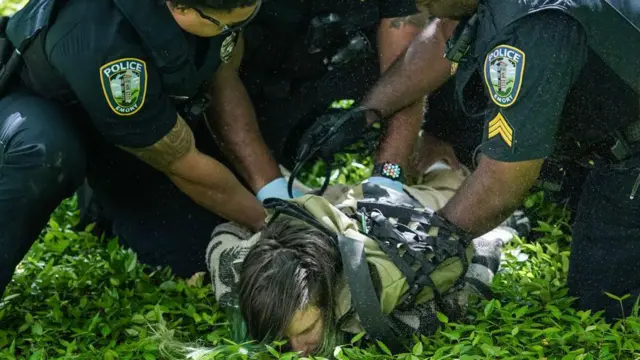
394 37
214 187
400 134
235 127
419 71
491 194
205 180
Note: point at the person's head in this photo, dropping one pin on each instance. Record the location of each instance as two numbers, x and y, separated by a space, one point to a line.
207 18
450 9
286 286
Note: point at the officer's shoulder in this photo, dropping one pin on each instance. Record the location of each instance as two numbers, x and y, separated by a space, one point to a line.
88 30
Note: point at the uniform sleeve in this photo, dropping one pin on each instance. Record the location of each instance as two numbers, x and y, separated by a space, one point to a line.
527 74
118 87
397 8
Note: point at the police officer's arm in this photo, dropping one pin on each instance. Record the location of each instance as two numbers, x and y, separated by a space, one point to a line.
204 179
420 70
394 37
124 97
528 75
234 123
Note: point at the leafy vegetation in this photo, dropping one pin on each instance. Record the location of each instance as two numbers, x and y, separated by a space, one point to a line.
76 296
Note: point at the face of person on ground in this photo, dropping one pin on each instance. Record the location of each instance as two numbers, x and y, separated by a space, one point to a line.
208 22
306 329
450 9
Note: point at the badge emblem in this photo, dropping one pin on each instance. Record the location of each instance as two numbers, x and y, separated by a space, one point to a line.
503 70
226 49
124 83
500 126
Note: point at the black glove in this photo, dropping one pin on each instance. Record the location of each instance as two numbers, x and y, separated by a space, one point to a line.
331 133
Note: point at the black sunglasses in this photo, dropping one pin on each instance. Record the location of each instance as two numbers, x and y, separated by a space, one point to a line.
226 28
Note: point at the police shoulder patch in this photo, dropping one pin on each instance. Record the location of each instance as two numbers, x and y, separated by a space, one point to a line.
503 70
124 83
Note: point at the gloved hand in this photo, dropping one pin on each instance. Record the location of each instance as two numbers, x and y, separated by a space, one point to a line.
331 133
386 182
277 189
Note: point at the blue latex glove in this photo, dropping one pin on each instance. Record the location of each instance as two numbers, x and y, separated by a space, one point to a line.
386 182
277 189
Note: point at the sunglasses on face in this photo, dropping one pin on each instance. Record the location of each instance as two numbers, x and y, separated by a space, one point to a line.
229 28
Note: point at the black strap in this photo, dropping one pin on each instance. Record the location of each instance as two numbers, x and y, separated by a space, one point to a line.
363 294
403 214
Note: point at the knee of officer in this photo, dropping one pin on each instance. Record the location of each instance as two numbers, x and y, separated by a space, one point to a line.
40 150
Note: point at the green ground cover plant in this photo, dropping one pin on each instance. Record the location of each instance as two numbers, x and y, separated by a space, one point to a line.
76 296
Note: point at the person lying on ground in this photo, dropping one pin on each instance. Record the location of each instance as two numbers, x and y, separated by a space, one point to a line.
304 276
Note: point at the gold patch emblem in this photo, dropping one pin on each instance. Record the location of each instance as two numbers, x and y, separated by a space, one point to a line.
500 126
226 49
454 68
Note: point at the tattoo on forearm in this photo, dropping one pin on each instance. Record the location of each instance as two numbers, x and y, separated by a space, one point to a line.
172 147
419 20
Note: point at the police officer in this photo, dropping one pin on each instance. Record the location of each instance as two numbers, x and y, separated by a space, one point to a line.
115 90
303 55
553 89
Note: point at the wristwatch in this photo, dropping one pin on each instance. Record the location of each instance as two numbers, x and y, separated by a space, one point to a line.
388 170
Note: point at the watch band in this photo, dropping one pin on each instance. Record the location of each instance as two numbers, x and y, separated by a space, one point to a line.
388 170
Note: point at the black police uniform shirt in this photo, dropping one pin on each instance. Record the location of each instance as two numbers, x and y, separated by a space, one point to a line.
547 92
99 54
276 37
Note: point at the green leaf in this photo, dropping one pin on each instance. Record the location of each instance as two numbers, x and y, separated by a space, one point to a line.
132 260
442 317
417 349
612 296
488 309
36 329
273 351
358 336
384 348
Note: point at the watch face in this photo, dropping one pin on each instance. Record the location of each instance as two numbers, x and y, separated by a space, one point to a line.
391 170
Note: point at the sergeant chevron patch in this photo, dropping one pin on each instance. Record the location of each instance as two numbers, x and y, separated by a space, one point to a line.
500 126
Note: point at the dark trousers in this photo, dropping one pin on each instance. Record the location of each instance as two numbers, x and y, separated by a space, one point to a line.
44 158
41 162
605 250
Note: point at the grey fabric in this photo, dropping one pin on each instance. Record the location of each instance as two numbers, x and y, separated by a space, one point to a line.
228 247
422 318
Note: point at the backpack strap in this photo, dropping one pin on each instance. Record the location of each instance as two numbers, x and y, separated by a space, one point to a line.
363 293
420 247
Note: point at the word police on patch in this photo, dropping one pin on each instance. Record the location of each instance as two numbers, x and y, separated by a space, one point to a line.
124 83
503 70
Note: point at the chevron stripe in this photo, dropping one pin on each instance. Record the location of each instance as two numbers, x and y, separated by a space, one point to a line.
500 126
